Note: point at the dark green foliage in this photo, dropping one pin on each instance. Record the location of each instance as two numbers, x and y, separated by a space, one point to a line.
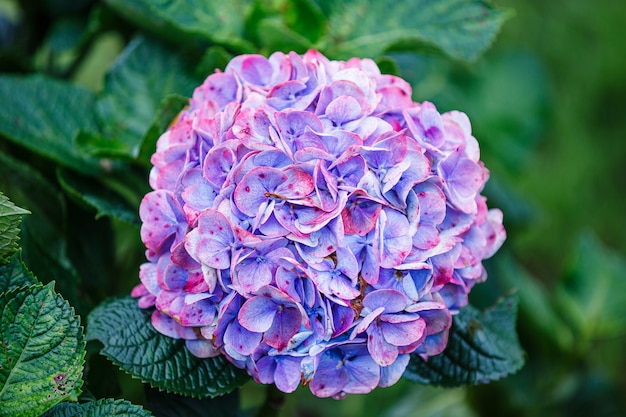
482 347
10 219
546 106
93 193
164 404
15 275
46 115
132 95
135 346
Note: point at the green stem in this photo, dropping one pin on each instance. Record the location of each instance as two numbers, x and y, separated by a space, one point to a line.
274 401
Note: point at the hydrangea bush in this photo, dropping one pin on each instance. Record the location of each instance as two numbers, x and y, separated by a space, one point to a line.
313 224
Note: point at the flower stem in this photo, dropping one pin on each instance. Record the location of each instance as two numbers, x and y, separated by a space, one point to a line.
274 401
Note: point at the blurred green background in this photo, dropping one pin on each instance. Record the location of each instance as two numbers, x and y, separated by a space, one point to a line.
548 105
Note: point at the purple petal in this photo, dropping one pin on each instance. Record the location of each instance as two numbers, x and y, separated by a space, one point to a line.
383 352
253 273
148 277
164 324
265 369
219 87
391 374
257 314
240 339
393 301
347 264
396 243
254 69
202 348
288 374
292 124
367 320
402 334
330 377
286 323
162 218
256 187
297 185
343 317
360 215
463 179
207 251
218 164
343 109
364 375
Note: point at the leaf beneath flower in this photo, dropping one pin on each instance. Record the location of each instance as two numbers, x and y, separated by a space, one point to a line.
136 347
482 347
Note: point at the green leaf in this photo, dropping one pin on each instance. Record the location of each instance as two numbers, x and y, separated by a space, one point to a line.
274 35
462 29
166 114
45 116
100 408
212 20
213 58
42 351
95 194
15 274
136 347
132 94
286 25
592 295
43 235
10 219
306 18
482 347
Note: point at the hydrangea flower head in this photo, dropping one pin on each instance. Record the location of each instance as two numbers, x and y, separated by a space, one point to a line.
313 224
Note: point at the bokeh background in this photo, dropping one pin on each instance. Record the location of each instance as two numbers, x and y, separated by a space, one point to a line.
548 105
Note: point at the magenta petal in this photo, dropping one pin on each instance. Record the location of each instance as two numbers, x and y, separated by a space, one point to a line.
360 215
257 314
298 185
164 324
286 323
146 301
402 334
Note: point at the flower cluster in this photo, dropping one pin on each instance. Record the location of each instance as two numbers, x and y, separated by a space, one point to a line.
313 224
